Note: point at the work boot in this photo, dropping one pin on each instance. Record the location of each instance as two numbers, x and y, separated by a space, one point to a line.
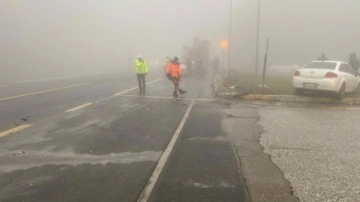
175 95
182 91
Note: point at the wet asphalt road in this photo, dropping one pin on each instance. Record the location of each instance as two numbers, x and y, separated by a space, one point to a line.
108 150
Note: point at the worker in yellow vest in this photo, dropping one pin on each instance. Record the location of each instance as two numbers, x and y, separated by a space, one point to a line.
141 69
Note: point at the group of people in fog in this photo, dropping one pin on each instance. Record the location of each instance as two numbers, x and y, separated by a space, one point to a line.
173 73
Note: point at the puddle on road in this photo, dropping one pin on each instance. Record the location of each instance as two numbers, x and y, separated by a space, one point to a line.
222 184
32 159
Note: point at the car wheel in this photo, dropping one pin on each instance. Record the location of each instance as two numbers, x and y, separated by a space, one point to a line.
298 91
340 95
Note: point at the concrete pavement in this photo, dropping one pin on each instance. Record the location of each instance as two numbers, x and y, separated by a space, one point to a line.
264 180
316 148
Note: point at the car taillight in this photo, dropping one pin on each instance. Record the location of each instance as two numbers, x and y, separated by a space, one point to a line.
297 73
331 75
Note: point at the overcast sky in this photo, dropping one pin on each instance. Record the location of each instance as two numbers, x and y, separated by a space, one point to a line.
49 35
299 30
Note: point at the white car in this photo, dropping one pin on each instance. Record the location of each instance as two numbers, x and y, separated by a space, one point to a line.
332 76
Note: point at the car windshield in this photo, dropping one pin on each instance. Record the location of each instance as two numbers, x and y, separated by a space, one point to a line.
321 65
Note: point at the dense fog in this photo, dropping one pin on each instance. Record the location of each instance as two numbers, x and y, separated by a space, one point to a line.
48 38
299 30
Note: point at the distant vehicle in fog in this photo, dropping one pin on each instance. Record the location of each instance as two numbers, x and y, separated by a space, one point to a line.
331 76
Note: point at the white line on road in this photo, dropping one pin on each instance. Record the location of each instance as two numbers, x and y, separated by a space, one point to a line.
79 107
45 91
6 85
350 108
170 98
144 197
134 88
125 91
14 130
151 82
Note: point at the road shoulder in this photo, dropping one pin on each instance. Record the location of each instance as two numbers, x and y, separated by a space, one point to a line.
264 180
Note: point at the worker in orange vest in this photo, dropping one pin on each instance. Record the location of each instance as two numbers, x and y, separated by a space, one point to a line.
166 63
173 72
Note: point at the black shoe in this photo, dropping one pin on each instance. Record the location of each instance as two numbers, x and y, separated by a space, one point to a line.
182 91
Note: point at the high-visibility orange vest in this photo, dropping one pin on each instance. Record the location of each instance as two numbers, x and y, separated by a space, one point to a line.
174 69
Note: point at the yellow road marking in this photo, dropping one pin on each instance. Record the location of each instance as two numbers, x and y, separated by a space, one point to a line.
79 107
134 88
45 91
14 130
170 98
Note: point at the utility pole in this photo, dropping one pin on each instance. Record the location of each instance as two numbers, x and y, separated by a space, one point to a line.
223 61
224 44
257 39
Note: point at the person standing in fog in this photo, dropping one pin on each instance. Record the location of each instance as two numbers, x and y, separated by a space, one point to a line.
166 63
323 57
173 71
141 69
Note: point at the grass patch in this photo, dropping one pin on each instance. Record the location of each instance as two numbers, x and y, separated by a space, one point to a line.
276 84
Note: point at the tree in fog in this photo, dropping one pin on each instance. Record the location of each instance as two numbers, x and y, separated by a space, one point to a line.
354 61
323 57
199 52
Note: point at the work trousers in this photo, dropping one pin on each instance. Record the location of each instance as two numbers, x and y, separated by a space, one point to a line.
141 80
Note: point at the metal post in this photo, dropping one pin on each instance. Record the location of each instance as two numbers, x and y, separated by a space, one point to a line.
223 62
265 63
257 38
229 46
